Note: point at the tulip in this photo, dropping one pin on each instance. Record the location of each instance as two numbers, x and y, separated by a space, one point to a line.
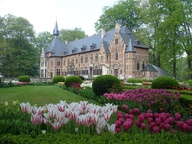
138 123
136 111
117 130
111 128
177 116
167 127
143 126
156 129
36 119
124 107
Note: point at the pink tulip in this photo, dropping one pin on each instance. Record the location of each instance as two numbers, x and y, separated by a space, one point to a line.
131 116
149 111
167 127
136 111
177 116
119 114
124 107
156 129
131 111
158 121
141 118
56 125
143 126
117 130
149 120
36 119
138 123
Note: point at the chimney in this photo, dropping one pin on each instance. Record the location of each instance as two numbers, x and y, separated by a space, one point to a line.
117 27
102 33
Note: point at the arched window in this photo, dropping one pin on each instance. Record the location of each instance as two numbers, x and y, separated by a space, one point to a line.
143 65
138 65
116 55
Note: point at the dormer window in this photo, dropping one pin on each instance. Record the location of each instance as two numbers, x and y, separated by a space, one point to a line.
93 46
65 53
74 50
137 42
84 47
116 41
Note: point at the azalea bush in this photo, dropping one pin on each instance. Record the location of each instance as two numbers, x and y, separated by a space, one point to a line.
24 79
155 99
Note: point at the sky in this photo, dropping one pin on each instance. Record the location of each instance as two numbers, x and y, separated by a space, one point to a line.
69 14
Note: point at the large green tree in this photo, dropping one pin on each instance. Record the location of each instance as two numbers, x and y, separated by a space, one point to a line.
125 12
18 55
71 34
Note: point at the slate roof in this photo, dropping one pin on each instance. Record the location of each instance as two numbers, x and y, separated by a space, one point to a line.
91 43
152 68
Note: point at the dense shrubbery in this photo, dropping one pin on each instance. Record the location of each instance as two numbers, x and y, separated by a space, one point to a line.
123 138
136 80
70 80
190 82
82 78
164 82
0 81
102 84
24 79
58 78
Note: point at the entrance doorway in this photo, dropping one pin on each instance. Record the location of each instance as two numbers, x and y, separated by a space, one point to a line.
116 72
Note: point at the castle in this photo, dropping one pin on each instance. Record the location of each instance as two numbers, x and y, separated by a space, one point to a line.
117 52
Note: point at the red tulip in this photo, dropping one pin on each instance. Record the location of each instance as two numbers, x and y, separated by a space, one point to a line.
167 127
156 129
117 130
130 111
141 118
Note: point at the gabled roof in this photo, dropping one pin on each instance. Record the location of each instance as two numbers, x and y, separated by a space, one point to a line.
152 68
91 43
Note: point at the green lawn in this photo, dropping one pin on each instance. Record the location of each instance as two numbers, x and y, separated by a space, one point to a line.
39 95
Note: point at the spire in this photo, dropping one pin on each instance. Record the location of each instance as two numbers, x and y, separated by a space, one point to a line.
56 31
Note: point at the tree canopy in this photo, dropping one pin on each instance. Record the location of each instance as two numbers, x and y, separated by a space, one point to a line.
18 55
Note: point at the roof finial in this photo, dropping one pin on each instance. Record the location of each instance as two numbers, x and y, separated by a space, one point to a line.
56 31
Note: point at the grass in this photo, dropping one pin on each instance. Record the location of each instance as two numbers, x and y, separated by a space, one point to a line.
40 95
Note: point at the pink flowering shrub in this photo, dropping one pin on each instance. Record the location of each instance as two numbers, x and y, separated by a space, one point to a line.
155 99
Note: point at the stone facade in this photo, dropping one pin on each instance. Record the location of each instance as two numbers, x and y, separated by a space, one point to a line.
117 52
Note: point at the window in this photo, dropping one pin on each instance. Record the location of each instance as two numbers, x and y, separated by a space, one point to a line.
68 61
107 57
86 59
91 58
58 72
81 59
51 63
96 57
101 58
143 65
120 71
76 60
116 55
58 63
116 41
137 65
64 62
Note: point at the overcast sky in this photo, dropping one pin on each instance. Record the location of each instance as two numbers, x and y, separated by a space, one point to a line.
69 14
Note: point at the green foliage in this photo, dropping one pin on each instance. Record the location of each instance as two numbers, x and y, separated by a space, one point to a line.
71 35
24 79
0 81
105 138
136 80
102 84
164 82
72 79
58 78
82 78
20 57
190 82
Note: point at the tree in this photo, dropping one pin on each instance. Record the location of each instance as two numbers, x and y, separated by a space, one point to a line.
125 12
71 34
19 57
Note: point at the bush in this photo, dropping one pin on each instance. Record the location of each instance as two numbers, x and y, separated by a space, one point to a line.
82 78
58 78
70 80
24 79
136 80
164 82
190 82
103 84
0 81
